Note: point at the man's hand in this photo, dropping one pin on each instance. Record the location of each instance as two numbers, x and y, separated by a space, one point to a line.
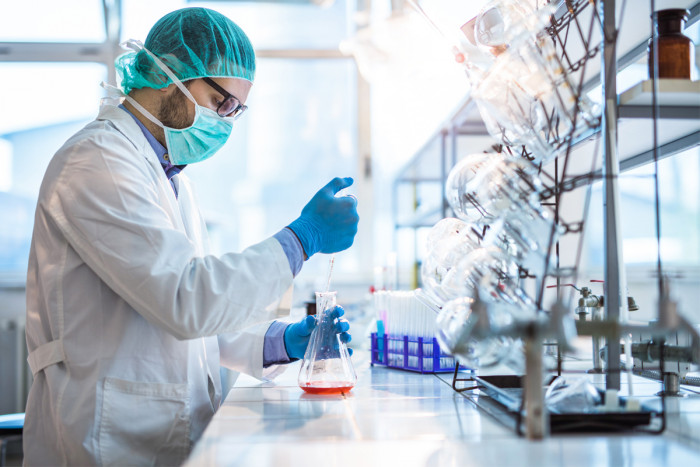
296 336
327 223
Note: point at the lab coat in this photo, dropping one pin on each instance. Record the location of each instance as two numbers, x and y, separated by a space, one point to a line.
127 315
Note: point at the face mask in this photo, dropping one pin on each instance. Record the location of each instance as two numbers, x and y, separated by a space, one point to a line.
198 142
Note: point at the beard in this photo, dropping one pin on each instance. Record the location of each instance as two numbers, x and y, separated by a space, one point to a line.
173 111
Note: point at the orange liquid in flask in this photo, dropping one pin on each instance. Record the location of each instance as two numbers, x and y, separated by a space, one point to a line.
327 387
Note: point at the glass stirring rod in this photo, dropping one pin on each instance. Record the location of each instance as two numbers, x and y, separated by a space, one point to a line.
332 260
330 272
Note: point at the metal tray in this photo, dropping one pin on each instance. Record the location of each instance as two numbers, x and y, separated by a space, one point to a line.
507 391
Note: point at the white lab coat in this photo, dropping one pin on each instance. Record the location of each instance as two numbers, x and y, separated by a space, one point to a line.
124 306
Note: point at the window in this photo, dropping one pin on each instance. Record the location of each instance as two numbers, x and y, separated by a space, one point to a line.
273 25
29 138
298 134
52 21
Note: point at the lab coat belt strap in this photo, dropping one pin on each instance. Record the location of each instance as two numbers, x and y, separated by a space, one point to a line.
45 355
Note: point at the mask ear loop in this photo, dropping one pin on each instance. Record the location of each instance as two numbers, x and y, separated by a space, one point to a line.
137 46
115 92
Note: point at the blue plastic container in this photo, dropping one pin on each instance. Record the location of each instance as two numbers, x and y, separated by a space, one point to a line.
411 353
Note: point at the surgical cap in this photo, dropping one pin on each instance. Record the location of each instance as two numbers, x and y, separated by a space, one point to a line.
193 43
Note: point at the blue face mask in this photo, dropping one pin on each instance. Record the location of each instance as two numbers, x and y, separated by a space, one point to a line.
198 142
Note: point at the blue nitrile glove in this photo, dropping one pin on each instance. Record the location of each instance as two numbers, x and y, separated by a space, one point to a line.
296 336
327 224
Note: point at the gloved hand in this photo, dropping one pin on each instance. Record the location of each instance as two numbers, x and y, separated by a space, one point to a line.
296 336
327 224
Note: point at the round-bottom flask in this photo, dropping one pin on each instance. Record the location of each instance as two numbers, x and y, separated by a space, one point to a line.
326 368
465 334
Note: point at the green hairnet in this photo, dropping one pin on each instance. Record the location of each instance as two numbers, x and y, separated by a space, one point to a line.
193 43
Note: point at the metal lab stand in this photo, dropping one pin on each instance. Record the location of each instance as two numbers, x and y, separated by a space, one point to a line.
569 18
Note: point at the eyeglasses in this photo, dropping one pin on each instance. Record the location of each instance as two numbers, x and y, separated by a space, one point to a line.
231 106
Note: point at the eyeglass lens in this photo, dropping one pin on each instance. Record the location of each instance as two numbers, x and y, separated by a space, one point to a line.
230 107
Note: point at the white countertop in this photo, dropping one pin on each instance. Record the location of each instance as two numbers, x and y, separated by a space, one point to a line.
399 418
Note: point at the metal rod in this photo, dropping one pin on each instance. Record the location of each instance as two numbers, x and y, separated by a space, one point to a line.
597 344
651 352
614 276
536 420
672 385
443 173
657 204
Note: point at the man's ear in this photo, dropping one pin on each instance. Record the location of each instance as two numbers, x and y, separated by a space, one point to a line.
168 89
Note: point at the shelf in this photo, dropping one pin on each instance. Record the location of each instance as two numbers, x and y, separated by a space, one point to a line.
678 122
676 99
671 92
635 139
666 112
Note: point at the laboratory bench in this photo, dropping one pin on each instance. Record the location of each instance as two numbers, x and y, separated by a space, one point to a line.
400 418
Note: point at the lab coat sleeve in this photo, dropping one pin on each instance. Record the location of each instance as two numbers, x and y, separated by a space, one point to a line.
106 203
243 351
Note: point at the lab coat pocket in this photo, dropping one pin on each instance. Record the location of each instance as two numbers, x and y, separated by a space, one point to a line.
143 423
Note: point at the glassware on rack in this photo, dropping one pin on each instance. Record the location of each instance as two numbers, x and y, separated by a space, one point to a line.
326 368
492 275
448 242
526 234
530 101
460 332
504 192
481 187
676 51
441 284
526 97
459 187
502 22
448 230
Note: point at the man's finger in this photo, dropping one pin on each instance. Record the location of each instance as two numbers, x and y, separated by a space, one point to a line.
337 312
342 326
338 184
345 337
308 325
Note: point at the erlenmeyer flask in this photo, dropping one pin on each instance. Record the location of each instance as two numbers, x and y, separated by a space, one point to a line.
326 368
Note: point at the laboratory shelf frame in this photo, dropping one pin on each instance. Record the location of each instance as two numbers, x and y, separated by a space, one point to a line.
676 127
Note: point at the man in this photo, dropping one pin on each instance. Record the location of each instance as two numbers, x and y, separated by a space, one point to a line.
128 316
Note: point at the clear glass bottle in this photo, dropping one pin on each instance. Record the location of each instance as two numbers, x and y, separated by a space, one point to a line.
326 368
676 51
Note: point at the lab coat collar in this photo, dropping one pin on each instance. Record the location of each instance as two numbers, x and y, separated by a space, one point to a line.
126 125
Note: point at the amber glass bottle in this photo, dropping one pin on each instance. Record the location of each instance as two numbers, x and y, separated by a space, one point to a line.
675 49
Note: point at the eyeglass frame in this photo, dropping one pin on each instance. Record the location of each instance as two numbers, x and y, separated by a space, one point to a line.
237 111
